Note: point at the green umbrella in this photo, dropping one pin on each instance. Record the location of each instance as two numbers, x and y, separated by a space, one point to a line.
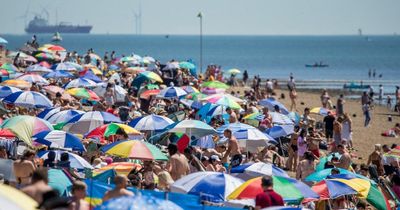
215 84
186 65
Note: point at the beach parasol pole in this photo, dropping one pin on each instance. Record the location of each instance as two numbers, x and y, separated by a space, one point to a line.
200 15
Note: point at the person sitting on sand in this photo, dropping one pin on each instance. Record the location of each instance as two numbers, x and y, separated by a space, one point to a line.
306 166
119 189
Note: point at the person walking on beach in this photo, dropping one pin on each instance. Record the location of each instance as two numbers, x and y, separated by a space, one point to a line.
337 133
268 197
293 156
119 189
347 131
328 122
367 114
245 77
292 93
326 100
380 94
340 105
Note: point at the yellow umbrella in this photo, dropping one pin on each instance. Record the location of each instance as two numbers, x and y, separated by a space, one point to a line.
21 84
96 71
11 198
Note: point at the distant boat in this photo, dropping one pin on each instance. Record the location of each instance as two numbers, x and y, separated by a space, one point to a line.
41 25
317 65
56 37
356 86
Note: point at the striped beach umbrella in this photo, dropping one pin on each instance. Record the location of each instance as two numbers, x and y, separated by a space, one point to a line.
138 203
63 116
83 93
9 67
24 127
38 68
33 78
252 170
76 161
47 113
59 139
210 186
119 91
45 55
64 67
134 149
88 121
7 90
191 104
290 189
210 91
80 82
248 136
323 174
280 131
57 74
123 168
270 103
21 84
195 129
172 92
150 123
28 99
110 130
280 119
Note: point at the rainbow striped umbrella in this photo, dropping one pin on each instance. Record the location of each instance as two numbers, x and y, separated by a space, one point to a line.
111 129
9 67
134 149
83 93
347 184
21 84
223 100
195 96
45 55
123 168
33 78
151 76
290 189
215 84
25 127
190 89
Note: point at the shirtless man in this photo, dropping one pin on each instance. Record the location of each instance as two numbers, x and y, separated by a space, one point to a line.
345 159
38 185
232 116
78 196
233 149
177 165
375 158
24 167
119 190
313 143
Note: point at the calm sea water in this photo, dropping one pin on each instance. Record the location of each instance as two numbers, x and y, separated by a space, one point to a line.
349 57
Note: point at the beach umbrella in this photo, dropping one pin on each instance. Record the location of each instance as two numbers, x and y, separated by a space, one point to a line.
134 70
215 84
76 161
119 91
322 160
150 123
223 100
45 64
215 97
4 73
6 133
21 84
295 117
134 149
45 55
252 170
28 99
111 129
148 93
7 169
114 67
38 68
83 93
172 92
149 58
254 116
33 78
195 96
3 41
270 103
59 181
248 136
9 67
14 54
80 82
12 198
146 76
24 127
171 65
7 90
321 111
47 113
323 174
186 65
57 74
190 89
88 121
91 76
290 189
138 202
53 89
56 48
30 59
127 59
59 139
67 66
210 91
63 116
234 71
280 119
280 131
195 129
123 168
191 104
345 184
210 186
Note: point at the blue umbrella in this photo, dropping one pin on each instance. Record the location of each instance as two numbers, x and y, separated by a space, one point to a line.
58 74
113 67
251 136
252 170
139 202
28 99
63 116
191 104
80 82
59 139
151 123
89 75
64 67
280 130
7 90
83 123
47 113
172 92
271 103
323 174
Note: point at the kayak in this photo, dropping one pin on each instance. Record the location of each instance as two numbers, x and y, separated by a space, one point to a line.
317 65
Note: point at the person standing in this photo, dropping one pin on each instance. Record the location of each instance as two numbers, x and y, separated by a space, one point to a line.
375 158
347 131
328 121
292 93
177 165
306 166
293 156
345 158
269 197
380 94
245 77
337 133
233 150
367 114
78 191
340 105
119 189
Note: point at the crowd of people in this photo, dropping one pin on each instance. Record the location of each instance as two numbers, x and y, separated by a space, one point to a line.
310 141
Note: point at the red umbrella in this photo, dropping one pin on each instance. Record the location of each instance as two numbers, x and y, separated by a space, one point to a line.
4 72
45 64
146 94
6 133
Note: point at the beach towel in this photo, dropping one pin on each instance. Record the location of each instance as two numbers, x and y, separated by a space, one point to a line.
389 133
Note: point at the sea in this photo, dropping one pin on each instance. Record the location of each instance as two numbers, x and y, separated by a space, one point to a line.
276 57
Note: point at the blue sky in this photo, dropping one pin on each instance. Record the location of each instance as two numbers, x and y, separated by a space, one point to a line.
244 17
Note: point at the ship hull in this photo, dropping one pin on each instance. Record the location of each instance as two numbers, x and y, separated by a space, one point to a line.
60 29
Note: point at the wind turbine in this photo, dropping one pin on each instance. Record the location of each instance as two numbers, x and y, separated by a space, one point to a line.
138 19
25 15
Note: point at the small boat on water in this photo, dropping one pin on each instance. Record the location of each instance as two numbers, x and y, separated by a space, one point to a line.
56 37
317 65
356 86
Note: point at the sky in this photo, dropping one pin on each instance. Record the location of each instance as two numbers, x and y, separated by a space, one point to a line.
220 17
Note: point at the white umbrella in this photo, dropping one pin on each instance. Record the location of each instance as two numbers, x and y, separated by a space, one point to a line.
120 92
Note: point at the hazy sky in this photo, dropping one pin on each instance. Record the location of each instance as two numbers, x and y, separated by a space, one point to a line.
258 17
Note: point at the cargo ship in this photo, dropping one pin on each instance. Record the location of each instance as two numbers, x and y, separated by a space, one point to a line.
41 25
